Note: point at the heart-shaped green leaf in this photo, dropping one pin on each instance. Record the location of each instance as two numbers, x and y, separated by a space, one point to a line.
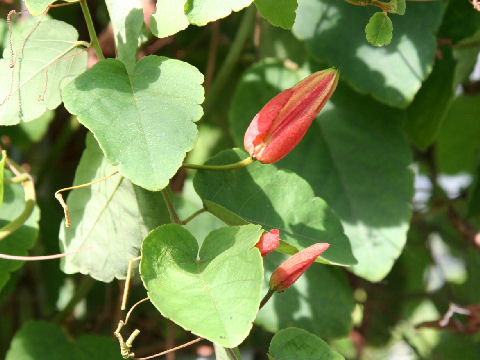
215 293
273 198
294 343
111 218
144 121
46 56
393 74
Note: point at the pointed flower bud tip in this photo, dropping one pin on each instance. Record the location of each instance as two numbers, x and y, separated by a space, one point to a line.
284 120
268 242
292 268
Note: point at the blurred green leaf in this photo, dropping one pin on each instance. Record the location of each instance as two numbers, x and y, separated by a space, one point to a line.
20 241
430 106
294 343
320 301
354 156
144 121
38 7
200 12
46 57
127 22
393 74
3 157
39 340
112 217
169 18
379 29
457 145
214 292
398 6
264 195
278 12
222 353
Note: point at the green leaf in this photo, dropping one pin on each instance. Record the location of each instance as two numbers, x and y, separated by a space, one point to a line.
457 144
22 239
112 217
144 121
214 293
38 7
308 303
46 57
127 22
430 106
354 156
278 12
2 167
273 198
200 12
169 18
379 29
294 343
398 6
392 75
39 340
474 195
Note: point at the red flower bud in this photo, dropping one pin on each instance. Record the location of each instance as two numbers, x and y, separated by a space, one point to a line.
292 268
268 242
284 120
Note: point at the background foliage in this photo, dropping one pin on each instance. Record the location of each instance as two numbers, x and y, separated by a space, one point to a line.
388 174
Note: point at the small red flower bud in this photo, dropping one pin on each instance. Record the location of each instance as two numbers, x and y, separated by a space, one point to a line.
268 242
284 120
292 268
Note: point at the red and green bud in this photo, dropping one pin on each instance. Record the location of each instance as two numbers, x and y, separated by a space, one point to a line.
284 120
268 242
292 268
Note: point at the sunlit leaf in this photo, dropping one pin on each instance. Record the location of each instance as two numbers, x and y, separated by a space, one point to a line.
143 121
46 57
213 292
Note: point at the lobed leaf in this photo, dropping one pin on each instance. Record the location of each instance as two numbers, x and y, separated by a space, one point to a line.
46 56
143 121
111 217
214 292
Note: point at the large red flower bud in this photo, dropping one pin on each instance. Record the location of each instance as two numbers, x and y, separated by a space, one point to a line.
292 268
268 242
284 120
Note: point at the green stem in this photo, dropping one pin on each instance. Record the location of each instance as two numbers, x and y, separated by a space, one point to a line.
266 298
193 216
171 208
91 29
225 71
237 165
232 353
80 292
